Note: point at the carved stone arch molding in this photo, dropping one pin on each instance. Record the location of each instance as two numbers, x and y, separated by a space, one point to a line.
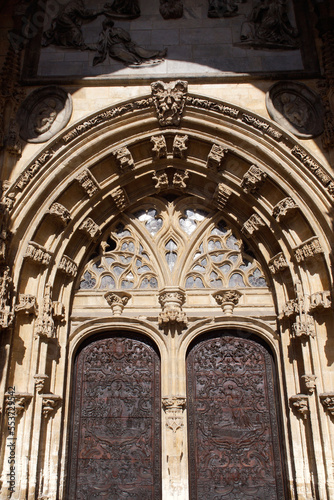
65 207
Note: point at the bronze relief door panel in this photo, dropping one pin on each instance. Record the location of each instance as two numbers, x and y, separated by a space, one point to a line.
234 449
115 428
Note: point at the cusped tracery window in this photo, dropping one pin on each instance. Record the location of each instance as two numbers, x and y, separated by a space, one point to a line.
165 243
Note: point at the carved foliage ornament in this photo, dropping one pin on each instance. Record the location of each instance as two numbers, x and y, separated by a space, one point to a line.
278 263
45 325
124 159
310 382
169 100
284 209
227 299
159 146
38 254
68 266
120 198
21 401
27 304
180 146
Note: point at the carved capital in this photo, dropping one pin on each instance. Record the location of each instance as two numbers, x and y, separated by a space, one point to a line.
174 408
161 180
37 253
50 404
40 382
124 159
27 305
88 183
171 300
278 263
253 224
308 249
284 209
169 100
327 401
253 179
216 157
309 381
68 266
120 198
60 214
20 399
117 301
159 146
89 227
180 179
222 195
227 299
180 146
299 403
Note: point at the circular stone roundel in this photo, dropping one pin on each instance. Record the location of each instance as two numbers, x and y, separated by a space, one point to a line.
44 113
296 108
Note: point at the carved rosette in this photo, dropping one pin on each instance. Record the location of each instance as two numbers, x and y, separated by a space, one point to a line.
159 146
284 209
117 301
327 401
308 249
50 404
253 179
253 224
120 198
216 157
300 405
37 253
310 382
40 382
174 408
180 179
27 305
172 300
161 180
227 299
221 196
88 183
169 100
278 263
22 400
180 146
124 159
60 214
90 228
68 267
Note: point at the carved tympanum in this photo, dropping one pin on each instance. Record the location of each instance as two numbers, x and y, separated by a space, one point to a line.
169 100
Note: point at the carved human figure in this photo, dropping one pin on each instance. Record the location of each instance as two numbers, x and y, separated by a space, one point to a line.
66 27
123 8
294 109
222 8
118 44
269 25
44 115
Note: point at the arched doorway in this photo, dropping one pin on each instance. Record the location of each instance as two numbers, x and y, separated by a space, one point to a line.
234 450
115 427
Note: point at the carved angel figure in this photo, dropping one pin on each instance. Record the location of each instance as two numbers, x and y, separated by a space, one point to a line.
118 44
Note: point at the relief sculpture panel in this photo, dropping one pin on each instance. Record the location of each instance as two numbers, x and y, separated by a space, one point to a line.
115 442
233 442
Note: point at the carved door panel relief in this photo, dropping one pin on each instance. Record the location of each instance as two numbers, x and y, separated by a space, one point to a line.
234 450
115 428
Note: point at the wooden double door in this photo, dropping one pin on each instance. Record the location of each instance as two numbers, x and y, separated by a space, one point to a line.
233 428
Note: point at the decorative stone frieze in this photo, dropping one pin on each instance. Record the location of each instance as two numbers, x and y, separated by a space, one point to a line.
90 227
180 146
26 177
174 408
262 126
299 403
216 157
308 249
50 404
253 224
159 146
312 165
124 159
253 179
284 209
6 315
60 214
161 180
21 401
327 401
278 263
169 100
38 254
68 266
320 301
304 326
227 299
171 300
309 381
180 179
221 196
120 198
88 182
45 326
40 382
117 301
27 305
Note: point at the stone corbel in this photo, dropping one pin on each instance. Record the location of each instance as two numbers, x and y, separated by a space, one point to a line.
40 382
327 401
320 301
304 326
124 159
172 300
89 227
60 214
27 305
180 179
227 299
37 253
216 157
68 267
120 198
253 224
159 149
221 196
180 146
21 399
88 183
310 382
253 179
309 249
299 404
278 263
284 209
50 404
58 311
161 180
117 301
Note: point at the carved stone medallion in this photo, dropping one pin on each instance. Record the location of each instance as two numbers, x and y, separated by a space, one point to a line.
44 113
296 108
